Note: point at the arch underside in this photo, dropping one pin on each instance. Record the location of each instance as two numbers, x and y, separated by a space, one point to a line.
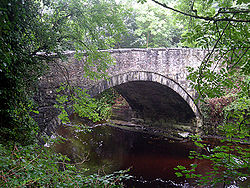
152 96
154 101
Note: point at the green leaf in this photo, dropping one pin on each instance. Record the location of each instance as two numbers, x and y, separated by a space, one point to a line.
181 167
178 174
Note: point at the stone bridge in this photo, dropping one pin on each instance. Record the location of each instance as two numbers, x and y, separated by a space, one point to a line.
153 81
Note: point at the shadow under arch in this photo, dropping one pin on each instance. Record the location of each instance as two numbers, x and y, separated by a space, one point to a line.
137 87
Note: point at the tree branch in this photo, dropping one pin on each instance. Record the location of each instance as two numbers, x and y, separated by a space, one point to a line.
204 62
240 58
203 17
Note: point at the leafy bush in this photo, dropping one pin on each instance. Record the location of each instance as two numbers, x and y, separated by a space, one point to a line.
38 166
79 102
229 164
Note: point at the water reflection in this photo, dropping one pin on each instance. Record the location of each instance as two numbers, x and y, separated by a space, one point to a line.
151 159
108 148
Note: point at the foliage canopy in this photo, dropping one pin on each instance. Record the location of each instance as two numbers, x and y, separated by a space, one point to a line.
51 27
34 34
222 81
29 27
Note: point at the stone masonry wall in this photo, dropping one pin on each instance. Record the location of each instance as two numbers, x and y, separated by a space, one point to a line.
170 63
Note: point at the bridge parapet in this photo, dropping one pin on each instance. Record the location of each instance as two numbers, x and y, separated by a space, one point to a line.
171 63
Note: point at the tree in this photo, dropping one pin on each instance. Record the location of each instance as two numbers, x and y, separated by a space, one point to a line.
156 27
150 26
222 80
29 27
33 34
130 39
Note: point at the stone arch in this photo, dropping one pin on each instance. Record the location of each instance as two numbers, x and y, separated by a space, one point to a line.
145 76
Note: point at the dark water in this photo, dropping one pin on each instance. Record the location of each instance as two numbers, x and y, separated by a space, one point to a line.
150 158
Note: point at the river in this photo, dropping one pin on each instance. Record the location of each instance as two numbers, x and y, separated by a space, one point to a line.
151 159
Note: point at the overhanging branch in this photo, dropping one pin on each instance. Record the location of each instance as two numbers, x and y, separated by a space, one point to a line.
206 18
